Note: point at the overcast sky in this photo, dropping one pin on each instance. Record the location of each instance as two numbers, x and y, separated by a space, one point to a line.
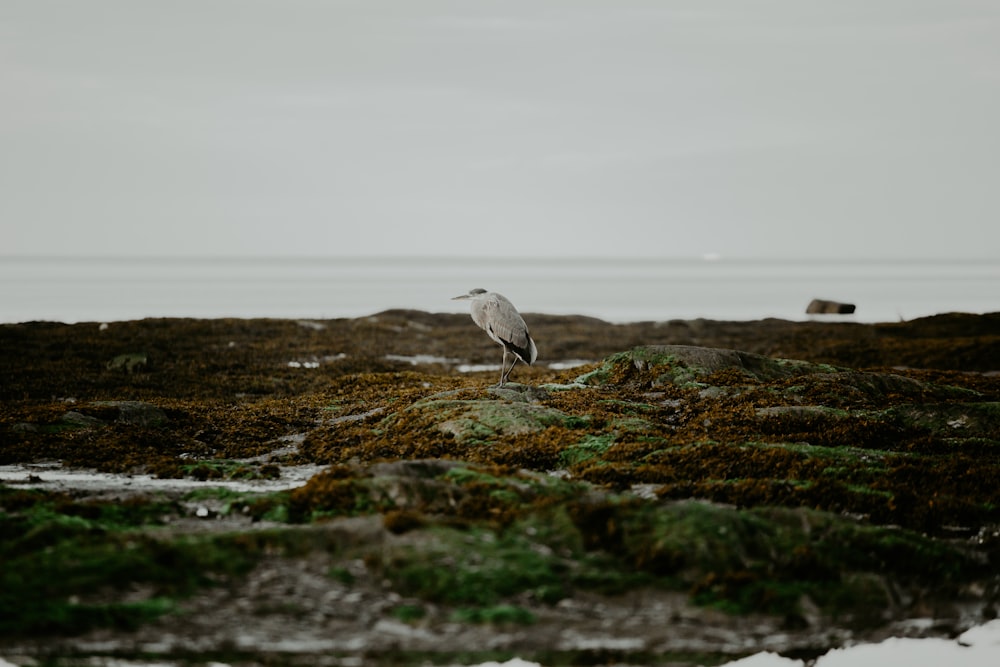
856 128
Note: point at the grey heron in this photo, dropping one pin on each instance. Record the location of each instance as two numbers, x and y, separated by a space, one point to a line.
498 317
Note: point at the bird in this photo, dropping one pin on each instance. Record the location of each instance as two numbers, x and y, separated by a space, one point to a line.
497 316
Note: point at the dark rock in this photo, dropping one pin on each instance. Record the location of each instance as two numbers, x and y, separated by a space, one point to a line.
421 468
73 418
823 307
137 413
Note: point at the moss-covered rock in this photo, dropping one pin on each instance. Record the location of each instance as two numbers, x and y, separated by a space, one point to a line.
687 365
483 421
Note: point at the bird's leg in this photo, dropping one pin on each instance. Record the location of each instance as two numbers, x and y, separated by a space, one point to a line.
503 366
506 374
514 363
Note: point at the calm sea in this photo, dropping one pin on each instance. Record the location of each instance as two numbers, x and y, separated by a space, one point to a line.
100 290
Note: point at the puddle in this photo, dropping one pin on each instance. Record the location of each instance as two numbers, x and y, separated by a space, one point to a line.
476 368
344 419
52 476
569 363
416 359
303 364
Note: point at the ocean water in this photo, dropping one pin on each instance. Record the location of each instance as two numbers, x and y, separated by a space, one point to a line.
617 290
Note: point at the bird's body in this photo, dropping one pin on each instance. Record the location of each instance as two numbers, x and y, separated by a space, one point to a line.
498 317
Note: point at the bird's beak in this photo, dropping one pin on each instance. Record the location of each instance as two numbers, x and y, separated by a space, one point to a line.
460 297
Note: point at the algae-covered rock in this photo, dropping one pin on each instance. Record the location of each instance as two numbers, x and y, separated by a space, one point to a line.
686 365
485 420
954 420
74 419
131 362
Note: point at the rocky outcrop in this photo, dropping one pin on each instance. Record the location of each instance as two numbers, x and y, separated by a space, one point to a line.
756 501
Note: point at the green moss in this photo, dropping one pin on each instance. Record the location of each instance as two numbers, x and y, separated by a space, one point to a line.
67 562
628 407
590 447
31 516
267 506
633 425
409 612
498 614
528 486
680 535
746 592
542 556
462 475
226 469
341 574
473 567
61 617
476 421
34 601
764 558
598 376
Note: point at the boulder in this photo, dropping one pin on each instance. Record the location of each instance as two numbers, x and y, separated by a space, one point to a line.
132 362
824 307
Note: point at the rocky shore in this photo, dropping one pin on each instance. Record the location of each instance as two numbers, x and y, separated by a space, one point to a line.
355 491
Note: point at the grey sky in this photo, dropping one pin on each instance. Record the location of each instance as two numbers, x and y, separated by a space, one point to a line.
854 128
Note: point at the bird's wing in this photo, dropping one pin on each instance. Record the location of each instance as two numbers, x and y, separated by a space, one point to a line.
505 325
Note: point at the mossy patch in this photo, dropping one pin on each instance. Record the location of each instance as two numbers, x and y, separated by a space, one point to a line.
687 366
589 447
227 469
473 567
477 421
95 565
502 614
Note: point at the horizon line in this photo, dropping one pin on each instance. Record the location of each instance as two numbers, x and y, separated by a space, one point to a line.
704 257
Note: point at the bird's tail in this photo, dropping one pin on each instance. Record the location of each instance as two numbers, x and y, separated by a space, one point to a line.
532 351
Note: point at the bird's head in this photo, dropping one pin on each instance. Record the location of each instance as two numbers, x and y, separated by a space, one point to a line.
473 293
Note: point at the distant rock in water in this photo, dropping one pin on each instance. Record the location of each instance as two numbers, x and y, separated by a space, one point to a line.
823 307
